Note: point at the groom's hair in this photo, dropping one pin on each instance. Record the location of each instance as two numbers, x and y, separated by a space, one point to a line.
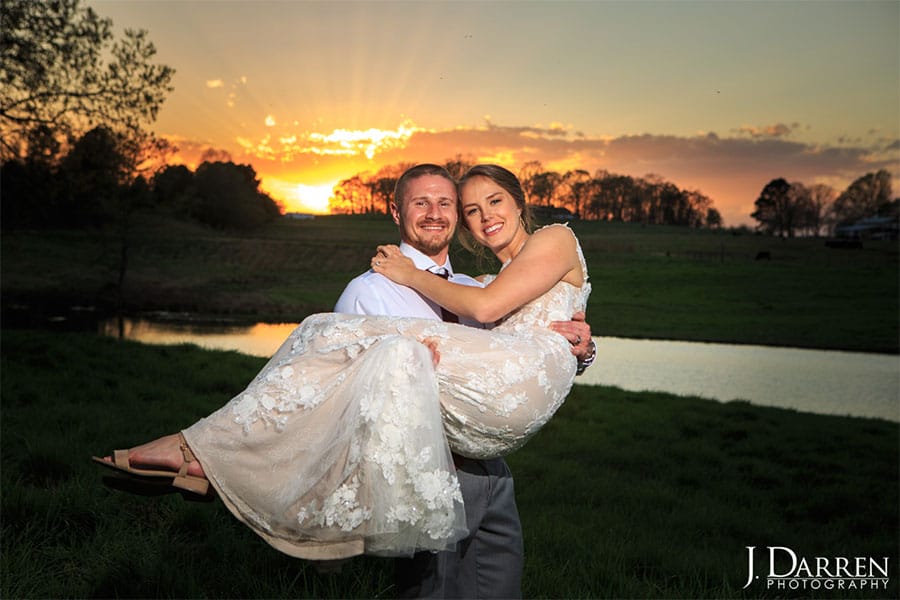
414 173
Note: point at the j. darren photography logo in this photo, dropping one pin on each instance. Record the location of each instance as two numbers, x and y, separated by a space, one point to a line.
787 571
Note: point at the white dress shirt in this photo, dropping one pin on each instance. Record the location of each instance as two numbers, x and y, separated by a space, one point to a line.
374 294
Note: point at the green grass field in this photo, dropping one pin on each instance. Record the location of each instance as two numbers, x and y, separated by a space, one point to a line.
653 282
622 495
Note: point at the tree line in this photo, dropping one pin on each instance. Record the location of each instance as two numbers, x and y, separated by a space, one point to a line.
791 209
782 208
94 184
74 146
603 196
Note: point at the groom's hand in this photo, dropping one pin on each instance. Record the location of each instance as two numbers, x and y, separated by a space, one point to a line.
578 332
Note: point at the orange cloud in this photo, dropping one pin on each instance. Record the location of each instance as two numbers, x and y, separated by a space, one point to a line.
291 147
730 170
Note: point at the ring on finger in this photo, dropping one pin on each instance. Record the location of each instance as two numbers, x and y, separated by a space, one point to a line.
577 338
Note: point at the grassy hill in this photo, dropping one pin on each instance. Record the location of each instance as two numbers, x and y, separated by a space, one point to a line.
648 281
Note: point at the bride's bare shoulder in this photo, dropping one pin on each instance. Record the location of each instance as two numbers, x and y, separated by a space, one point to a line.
556 234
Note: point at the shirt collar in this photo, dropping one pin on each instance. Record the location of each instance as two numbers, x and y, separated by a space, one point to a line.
421 261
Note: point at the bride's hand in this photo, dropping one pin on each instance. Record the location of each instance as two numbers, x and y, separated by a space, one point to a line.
391 263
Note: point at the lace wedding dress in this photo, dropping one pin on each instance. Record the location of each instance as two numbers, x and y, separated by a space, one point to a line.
341 444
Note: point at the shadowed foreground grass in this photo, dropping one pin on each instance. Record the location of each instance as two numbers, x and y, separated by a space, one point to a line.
623 495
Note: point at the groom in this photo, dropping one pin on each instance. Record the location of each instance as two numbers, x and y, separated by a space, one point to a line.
487 564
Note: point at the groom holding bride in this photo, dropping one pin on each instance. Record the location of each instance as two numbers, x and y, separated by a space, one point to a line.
488 563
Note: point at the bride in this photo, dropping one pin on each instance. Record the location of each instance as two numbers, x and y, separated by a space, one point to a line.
341 444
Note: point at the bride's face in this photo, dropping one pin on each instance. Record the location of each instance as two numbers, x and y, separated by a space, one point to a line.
492 216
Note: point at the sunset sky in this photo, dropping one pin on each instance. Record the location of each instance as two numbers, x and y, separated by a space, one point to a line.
720 97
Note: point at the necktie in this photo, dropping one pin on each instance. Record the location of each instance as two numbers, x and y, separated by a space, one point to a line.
446 315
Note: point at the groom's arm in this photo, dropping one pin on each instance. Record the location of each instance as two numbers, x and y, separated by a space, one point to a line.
359 298
374 294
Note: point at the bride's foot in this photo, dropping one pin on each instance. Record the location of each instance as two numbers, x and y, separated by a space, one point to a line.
168 452
166 457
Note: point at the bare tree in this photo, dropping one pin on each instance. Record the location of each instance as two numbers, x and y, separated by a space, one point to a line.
698 206
527 175
822 198
458 166
544 187
616 190
800 216
577 185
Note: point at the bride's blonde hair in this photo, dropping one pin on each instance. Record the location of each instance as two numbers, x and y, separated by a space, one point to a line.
506 180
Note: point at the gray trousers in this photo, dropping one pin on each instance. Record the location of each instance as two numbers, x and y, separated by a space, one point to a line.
488 563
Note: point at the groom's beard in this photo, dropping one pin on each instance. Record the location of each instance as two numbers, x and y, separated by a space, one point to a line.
430 248
431 243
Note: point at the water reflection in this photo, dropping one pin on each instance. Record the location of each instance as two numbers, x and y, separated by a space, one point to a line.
829 382
261 339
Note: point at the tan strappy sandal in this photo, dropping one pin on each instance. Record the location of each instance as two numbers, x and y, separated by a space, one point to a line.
179 479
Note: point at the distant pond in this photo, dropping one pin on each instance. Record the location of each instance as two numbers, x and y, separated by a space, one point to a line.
819 381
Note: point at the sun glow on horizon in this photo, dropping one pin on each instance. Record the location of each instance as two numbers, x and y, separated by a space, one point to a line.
299 197
314 197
